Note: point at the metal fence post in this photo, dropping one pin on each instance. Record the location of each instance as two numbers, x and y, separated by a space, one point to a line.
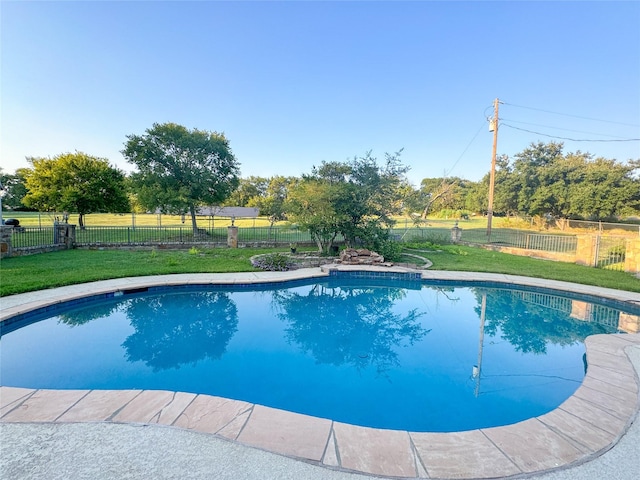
596 255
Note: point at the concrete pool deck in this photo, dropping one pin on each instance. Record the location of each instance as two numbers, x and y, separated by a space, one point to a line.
586 425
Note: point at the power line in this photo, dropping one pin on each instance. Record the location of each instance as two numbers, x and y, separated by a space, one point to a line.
559 128
572 139
465 150
570 115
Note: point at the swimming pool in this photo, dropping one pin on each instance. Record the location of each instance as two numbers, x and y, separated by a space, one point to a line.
397 355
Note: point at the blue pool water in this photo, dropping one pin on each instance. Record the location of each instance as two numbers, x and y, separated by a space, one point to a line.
385 354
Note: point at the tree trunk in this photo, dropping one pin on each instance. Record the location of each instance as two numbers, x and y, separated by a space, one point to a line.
194 223
445 188
271 222
81 221
425 212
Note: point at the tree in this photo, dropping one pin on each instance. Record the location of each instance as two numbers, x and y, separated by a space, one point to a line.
527 167
75 182
15 188
272 203
604 189
248 189
310 204
181 169
355 199
542 180
442 193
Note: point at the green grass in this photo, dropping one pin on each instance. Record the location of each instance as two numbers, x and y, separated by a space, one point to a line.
470 259
47 270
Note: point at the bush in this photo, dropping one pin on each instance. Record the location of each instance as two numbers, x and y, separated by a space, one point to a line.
390 250
273 262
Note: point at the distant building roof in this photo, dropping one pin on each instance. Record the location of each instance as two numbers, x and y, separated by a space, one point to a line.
215 211
228 211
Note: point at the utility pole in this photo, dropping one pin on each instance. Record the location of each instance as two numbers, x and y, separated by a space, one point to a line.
493 126
3 192
477 369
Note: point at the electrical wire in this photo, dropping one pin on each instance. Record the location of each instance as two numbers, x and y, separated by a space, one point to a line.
570 115
571 139
559 128
485 112
447 173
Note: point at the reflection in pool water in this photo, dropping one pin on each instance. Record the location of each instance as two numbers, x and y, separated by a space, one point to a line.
408 356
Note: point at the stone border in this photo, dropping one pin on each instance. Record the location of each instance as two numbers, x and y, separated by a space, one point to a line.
587 424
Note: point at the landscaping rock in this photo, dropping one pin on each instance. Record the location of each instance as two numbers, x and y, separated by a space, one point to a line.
361 256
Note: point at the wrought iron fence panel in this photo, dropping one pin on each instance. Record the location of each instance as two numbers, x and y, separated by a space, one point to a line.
184 235
421 234
522 239
27 237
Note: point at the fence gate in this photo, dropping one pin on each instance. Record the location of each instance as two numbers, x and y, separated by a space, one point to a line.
610 252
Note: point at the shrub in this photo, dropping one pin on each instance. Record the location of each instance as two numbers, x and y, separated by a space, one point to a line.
390 250
273 262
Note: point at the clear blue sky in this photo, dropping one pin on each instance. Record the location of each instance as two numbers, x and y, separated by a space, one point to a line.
294 83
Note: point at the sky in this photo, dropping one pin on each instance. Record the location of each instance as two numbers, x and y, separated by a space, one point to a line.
294 83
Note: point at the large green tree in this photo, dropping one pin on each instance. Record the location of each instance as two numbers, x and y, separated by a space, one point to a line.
248 189
180 169
445 193
272 203
602 189
14 186
356 199
75 182
542 180
310 205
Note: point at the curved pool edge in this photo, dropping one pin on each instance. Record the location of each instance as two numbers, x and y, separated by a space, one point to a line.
586 425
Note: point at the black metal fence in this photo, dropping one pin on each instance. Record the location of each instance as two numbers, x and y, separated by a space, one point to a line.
610 250
30 237
148 235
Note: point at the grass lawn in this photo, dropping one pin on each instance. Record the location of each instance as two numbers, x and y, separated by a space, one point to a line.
35 272
46 270
472 259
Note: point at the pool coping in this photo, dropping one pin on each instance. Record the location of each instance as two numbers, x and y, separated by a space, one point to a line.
587 424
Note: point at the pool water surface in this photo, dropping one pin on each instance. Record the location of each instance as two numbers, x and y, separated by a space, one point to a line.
385 354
